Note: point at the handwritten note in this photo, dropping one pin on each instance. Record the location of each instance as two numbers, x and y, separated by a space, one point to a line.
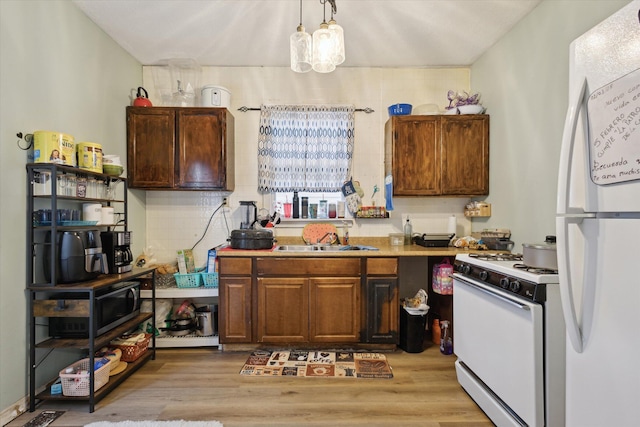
614 130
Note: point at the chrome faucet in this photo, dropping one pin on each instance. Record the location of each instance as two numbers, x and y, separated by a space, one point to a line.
334 238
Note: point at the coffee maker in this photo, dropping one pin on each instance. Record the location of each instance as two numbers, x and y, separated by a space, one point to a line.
117 246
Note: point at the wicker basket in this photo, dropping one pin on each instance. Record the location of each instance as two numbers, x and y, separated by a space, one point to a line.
210 280
131 353
192 280
76 383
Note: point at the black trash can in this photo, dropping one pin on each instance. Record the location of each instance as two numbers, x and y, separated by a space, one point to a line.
412 331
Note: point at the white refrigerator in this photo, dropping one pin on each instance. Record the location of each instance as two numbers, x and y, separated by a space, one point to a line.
598 224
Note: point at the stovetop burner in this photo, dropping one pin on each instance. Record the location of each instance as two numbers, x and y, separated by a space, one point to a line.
497 257
534 270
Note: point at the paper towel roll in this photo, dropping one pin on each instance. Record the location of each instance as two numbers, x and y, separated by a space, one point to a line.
92 212
107 216
451 226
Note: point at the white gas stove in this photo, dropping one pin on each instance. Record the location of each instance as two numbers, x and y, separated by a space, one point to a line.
509 338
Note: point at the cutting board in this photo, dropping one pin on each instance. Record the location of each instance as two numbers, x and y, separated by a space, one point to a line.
312 232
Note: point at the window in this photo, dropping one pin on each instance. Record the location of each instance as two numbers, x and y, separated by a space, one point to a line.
305 148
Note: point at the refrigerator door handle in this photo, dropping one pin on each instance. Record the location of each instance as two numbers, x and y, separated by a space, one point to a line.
566 285
566 153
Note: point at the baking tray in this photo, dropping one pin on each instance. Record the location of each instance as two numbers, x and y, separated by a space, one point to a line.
433 240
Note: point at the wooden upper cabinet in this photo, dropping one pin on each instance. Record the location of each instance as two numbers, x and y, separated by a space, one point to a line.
465 155
435 155
151 141
180 148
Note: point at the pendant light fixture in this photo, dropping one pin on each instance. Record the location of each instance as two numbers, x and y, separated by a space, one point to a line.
300 49
338 37
324 50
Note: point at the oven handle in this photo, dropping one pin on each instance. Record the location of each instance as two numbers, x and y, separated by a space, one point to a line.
488 292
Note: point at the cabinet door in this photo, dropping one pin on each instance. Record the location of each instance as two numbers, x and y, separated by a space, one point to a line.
150 147
412 155
235 310
283 310
382 310
202 152
465 155
334 309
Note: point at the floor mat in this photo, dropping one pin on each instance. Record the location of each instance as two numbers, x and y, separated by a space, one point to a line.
320 363
44 418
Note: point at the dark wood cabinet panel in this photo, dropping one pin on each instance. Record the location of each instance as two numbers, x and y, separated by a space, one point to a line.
235 310
334 309
150 147
413 155
180 148
283 310
438 155
465 155
382 304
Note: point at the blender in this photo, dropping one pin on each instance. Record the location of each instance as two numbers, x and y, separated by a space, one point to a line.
249 213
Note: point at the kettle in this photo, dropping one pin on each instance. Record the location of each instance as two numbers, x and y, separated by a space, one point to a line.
142 101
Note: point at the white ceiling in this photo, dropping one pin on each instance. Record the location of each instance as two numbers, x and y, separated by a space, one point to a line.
378 33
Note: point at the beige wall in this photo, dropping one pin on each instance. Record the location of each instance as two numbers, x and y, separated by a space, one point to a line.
58 72
177 220
524 80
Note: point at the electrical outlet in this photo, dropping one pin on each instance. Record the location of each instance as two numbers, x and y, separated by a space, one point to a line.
225 201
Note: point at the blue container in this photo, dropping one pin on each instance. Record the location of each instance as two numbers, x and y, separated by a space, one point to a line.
400 109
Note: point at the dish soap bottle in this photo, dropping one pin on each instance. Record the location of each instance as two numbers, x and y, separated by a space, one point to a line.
446 344
407 232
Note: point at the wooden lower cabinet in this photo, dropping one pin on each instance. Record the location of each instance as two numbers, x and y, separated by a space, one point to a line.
334 309
381 301
323 309
235 300
283 310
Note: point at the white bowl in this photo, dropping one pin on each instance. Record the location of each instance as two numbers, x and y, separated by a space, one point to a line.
425 109
451 111
470 109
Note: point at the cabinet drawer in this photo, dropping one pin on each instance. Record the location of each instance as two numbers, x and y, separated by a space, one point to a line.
72 308
308 266
234 266
382 266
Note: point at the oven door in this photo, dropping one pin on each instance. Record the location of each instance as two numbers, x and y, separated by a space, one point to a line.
498 339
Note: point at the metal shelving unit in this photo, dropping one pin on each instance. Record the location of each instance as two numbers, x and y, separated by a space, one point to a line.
42 288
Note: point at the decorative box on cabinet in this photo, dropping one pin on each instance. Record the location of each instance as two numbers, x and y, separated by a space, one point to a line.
175 148
435 155
43 194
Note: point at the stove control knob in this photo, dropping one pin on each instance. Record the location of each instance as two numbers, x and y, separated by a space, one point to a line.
504 283
484 275
515 286
466 269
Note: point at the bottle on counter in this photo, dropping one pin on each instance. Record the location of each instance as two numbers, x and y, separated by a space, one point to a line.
408 231
305 207
436 333
296 205
446 343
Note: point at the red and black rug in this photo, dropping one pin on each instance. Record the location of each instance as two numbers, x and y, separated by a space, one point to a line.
304 363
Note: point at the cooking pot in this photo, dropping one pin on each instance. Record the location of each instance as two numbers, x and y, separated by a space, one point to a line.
251 239
179 327
142 101
541 255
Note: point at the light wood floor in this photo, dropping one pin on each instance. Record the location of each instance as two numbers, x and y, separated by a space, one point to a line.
204 384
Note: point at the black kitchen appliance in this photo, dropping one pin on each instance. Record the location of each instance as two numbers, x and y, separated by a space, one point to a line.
249 214
117 247
251 239
80 256
113 306
433 240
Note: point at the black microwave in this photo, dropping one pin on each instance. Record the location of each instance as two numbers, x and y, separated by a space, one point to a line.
114 305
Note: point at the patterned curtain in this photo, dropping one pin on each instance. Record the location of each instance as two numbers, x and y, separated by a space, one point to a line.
305 147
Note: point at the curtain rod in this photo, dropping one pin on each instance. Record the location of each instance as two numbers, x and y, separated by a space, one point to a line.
245 109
